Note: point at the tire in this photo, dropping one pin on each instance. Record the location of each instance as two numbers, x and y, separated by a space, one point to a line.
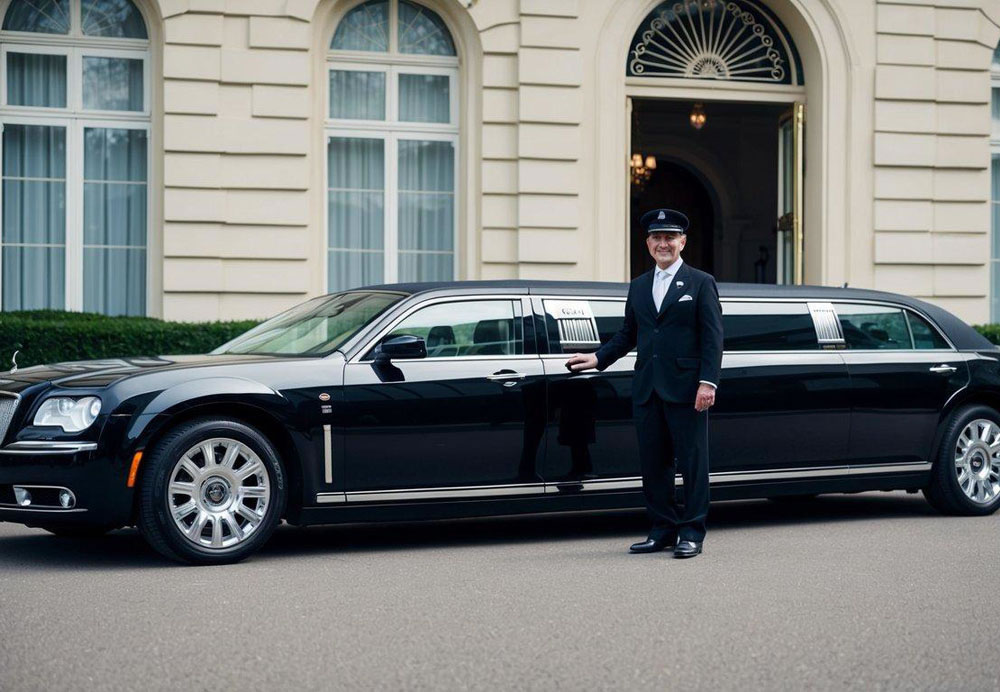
965 477
211 510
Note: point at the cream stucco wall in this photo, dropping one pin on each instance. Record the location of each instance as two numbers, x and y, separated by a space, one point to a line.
896 191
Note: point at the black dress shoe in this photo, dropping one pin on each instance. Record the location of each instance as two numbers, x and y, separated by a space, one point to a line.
652 545
687 548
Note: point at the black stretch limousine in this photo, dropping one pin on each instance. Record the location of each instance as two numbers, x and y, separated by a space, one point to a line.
441 400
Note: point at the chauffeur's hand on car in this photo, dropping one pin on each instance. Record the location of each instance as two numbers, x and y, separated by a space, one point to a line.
581 361
704 400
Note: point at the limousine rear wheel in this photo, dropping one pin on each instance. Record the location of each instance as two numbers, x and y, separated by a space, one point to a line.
965 478
213 492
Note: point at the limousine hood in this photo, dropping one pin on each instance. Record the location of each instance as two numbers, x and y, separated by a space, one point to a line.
101 373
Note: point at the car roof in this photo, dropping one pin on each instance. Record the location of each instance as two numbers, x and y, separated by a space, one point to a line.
960 334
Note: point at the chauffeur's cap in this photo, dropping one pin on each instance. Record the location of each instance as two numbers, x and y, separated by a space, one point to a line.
664 220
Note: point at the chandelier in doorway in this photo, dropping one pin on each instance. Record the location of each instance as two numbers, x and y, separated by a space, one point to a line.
641 168
738 40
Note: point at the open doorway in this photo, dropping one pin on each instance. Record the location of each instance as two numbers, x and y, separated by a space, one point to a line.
724 176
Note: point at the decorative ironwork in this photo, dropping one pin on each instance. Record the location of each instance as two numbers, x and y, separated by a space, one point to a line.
736 40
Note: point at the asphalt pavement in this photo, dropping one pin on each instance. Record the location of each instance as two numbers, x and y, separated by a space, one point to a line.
870 591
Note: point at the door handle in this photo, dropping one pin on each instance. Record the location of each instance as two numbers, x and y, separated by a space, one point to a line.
502 375
943 368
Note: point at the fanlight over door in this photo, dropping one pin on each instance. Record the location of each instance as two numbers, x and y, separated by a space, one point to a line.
738 40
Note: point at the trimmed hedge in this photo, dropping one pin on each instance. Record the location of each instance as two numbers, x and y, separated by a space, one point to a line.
51 336
990 331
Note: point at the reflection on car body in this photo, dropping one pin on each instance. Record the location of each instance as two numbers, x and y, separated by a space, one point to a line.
437 400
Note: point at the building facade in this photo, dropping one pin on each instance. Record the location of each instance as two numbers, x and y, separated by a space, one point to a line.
219 159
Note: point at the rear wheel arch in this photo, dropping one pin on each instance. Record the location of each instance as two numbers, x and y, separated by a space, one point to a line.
944 490
979 397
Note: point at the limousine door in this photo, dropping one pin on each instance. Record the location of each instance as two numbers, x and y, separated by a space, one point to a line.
782 402
466 421
590 440
902 373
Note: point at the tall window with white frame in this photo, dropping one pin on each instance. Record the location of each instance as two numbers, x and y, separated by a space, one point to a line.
75 115
392 146
995 189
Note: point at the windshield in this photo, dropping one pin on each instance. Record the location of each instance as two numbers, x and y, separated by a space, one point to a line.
314 328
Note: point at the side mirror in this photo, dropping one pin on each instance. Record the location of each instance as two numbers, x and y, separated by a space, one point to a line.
403 346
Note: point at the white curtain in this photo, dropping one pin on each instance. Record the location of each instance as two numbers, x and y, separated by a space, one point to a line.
424 98
356 201
112 84
114 221
34 217
357 95
426 210
995 254
995 205
34 79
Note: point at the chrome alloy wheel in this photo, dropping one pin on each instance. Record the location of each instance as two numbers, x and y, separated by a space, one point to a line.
218 493
977 460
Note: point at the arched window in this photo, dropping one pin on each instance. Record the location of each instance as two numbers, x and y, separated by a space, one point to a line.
74 109
739 40
392 146
995 188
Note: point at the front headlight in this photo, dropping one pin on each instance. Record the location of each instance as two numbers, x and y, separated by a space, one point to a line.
72 415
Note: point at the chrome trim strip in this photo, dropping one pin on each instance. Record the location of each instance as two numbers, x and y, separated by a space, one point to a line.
47 447
327 454
902 467
446 493
630 483
13 508
606 484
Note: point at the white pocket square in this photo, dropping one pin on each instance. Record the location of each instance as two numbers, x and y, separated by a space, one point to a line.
684 297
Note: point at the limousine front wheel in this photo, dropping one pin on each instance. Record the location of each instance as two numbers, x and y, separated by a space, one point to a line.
213 492
966 475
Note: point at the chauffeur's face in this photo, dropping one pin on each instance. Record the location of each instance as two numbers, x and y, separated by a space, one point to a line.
665 247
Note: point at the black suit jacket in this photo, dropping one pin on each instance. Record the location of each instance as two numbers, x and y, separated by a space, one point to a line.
678 346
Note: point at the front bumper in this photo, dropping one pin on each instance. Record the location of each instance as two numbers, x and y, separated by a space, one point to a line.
95 478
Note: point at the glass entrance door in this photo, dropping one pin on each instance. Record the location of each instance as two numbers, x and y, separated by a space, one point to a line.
790 179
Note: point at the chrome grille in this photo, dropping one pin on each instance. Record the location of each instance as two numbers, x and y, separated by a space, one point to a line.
578 331
8 404
827 324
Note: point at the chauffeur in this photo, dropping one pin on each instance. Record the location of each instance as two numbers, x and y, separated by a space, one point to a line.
673 315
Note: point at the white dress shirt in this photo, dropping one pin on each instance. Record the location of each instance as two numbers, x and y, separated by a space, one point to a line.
661 281
661 284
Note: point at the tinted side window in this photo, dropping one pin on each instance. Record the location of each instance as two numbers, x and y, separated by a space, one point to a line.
468 328
767 327
924 335
582 326
873 326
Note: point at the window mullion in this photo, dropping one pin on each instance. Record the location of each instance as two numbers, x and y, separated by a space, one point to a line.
2 172
393 26
391 208
74 216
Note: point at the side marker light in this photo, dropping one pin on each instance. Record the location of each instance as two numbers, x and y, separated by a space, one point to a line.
135 468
